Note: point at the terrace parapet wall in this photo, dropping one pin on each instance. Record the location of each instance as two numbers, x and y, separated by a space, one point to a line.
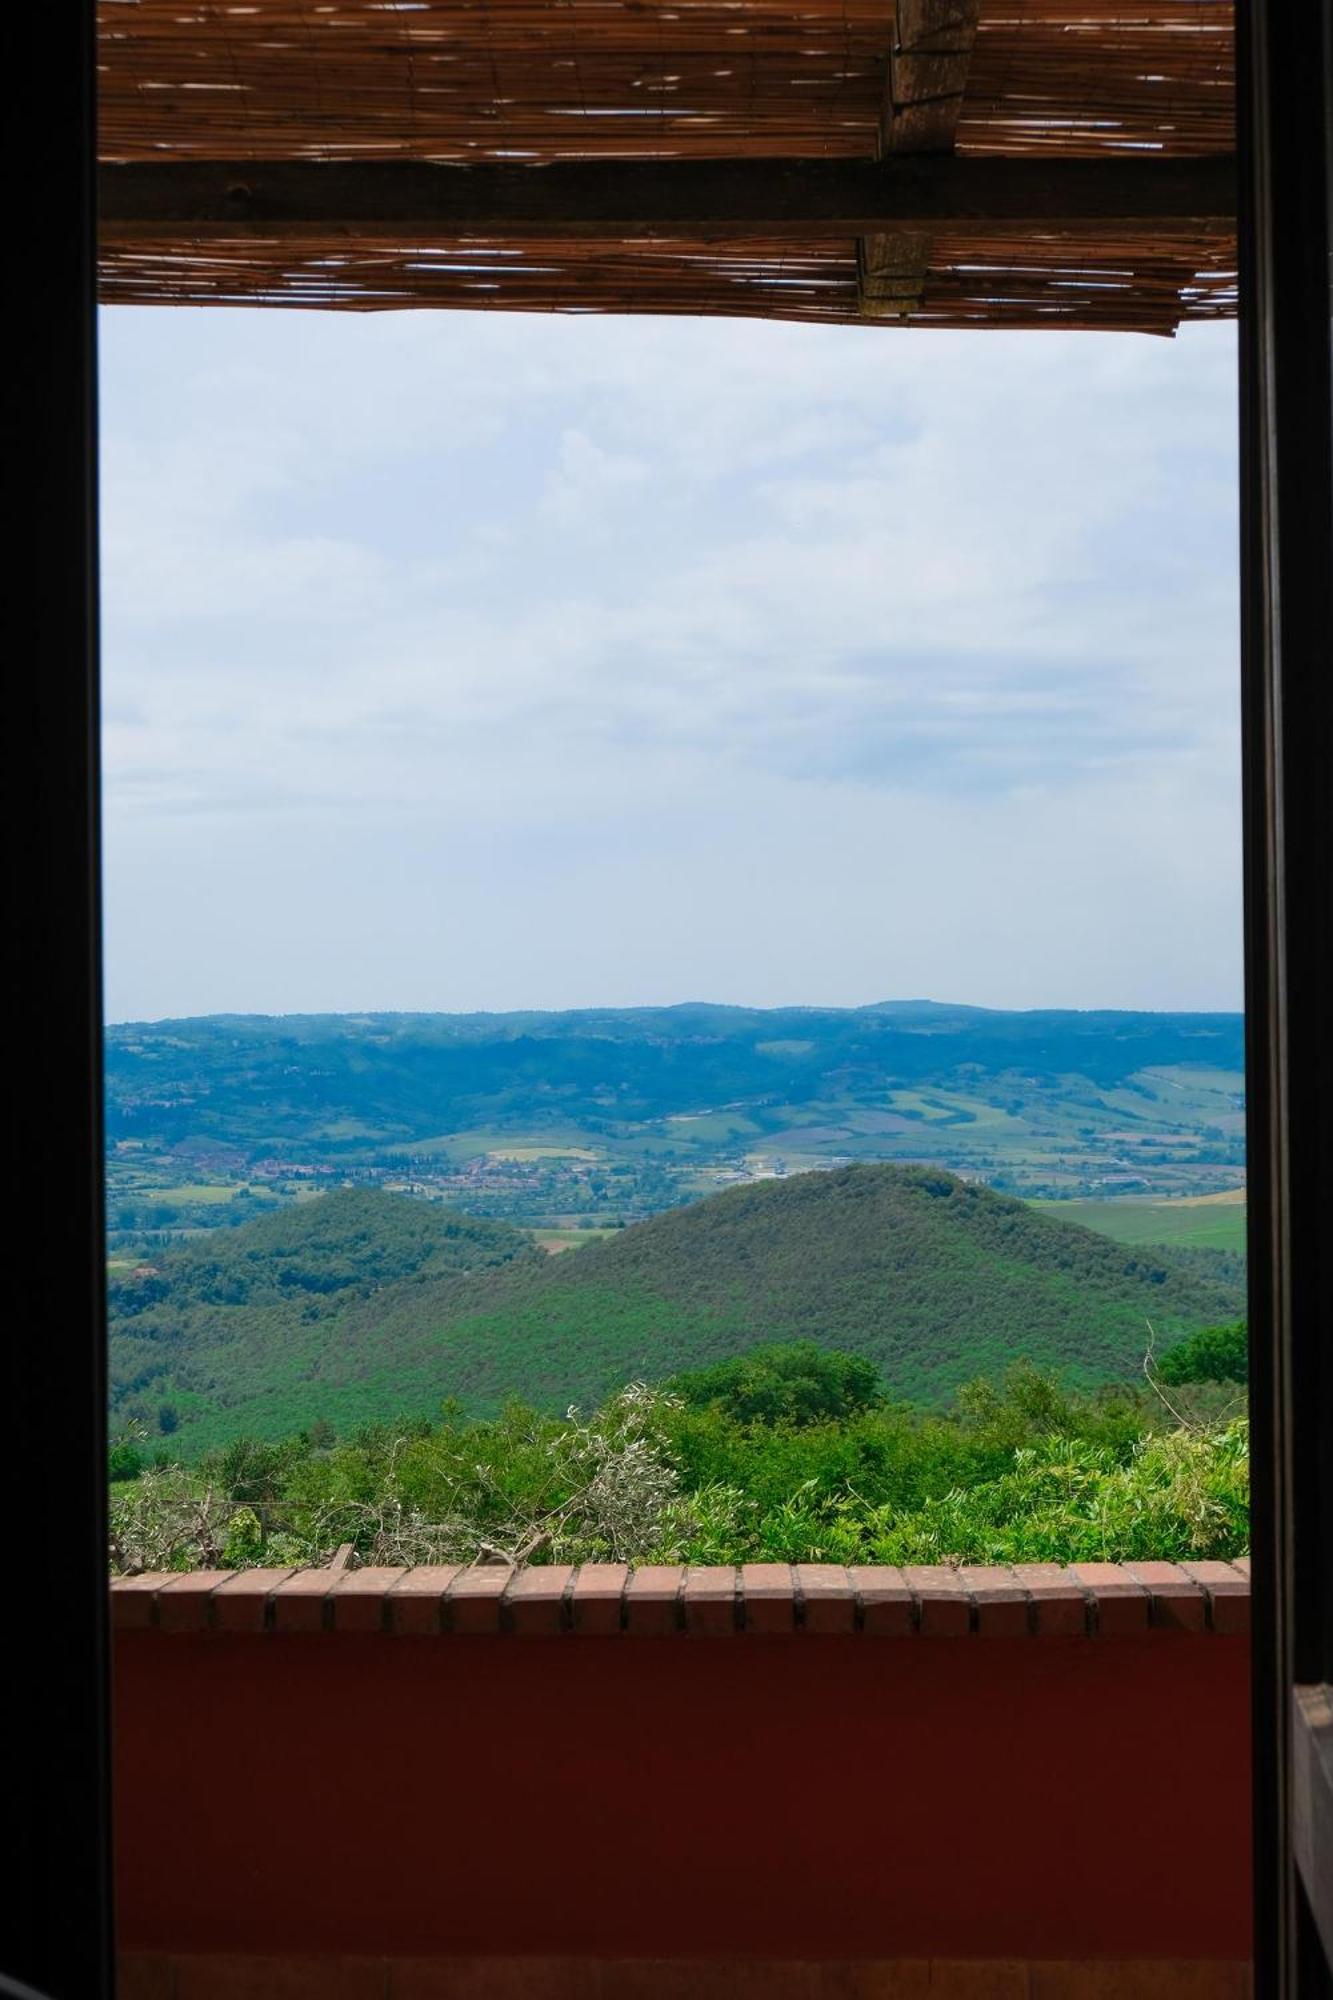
480 1784
1025 1600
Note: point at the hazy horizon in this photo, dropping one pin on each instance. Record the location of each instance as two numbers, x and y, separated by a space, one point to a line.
638 1007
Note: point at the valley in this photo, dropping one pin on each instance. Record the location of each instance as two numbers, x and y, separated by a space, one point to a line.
583 1121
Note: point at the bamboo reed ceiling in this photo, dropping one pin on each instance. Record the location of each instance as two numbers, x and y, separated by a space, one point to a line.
539 83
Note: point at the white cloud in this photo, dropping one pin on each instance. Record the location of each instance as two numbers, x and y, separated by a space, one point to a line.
587 480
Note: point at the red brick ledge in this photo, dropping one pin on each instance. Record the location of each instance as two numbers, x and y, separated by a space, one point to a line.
1039 1600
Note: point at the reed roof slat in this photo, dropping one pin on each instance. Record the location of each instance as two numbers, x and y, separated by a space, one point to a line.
1133 284
535 82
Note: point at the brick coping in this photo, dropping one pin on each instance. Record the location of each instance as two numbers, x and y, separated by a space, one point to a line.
1026 1600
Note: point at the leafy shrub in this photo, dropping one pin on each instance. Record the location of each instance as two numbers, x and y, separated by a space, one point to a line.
1182 1495
1023 1471
796 1382
124 1461
1214 1354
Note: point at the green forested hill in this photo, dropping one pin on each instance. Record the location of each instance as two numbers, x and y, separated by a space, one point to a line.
347 1243
254 1317
360 1305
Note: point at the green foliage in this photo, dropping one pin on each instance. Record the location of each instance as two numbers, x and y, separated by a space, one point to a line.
1028 1470
799 1383
1214 1354
124 1461
358 1306
346 1244
520 1488
244 1544
254 1315
895 1456
1180 1496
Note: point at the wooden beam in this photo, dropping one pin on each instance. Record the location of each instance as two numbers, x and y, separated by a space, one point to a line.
891 272
415 201
924 87
927 74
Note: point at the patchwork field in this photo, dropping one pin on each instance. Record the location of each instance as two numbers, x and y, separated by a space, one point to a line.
555 1241
612 1116
1200 1222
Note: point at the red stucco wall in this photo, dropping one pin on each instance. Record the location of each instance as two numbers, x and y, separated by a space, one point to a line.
803 1797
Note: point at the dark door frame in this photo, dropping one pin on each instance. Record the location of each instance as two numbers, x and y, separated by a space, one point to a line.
1285 147
58 1890
56 1353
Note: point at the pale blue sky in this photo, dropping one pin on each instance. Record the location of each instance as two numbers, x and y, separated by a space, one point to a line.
478 661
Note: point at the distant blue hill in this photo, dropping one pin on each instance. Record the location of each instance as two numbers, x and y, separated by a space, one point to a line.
1049 1101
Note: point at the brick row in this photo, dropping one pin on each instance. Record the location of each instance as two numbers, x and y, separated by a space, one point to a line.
209 1976
1022 1600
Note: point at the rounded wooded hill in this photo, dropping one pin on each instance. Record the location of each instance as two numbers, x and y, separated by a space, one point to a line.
934 1279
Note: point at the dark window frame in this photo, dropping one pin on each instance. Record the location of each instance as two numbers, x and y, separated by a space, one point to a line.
57 1353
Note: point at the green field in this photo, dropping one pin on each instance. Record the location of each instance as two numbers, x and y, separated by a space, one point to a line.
199 1194
1209 1222
557 1240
